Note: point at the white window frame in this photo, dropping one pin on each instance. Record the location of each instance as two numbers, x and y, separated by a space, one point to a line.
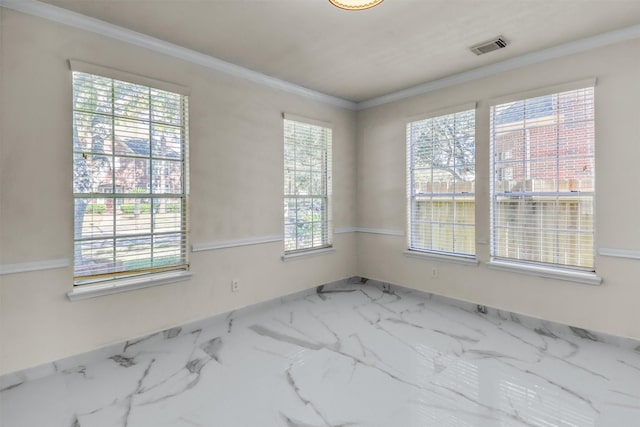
551 270
413 194
295 242
90 285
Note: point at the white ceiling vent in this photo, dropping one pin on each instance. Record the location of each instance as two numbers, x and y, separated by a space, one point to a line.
489 46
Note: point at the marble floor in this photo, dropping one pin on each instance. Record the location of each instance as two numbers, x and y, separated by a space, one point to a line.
348 355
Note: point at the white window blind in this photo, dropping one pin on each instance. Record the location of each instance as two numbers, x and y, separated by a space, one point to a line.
307 185
129 179
441 183
542 187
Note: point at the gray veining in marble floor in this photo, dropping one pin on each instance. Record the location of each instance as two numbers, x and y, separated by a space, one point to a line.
347 355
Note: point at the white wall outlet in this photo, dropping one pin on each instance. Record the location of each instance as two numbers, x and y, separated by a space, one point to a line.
434 273
235 285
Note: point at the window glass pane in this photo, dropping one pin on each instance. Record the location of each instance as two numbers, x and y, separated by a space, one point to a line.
465 212
302 183
92 133
509 145
302 150
543 172
94 217
304 211
465 239
421 235
541 142
92 173
317 183
421 181
166 141
133 253
92 94
131 100
421 209
443 208
167 215
132 175
290 241
318 234
465 178
442 180
167 249
166 177
94 257
166 107
134 217
131 137
577 173
442 236
422 154
290 210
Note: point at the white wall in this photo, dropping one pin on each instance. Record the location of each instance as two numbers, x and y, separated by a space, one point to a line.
611 307
236 147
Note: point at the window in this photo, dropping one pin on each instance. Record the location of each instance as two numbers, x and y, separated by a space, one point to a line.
129 179
307 185
441 183
543 190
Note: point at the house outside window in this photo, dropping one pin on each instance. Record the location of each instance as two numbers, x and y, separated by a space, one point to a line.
307 184
129 179
441 183
542 209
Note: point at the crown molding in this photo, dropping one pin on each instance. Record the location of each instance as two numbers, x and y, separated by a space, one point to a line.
82 22
76 20
570 48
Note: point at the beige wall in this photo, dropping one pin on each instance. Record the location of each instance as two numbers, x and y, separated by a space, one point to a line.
611 307
236 143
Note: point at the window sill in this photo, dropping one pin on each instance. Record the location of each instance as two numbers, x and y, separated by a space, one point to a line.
456 259
124 285
547 272
303 254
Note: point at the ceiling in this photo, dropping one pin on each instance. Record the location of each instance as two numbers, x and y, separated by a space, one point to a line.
360 55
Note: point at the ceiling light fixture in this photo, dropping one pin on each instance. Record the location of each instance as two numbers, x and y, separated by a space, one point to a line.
355 4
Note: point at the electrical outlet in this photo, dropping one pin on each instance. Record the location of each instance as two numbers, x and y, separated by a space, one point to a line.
434 273
235 285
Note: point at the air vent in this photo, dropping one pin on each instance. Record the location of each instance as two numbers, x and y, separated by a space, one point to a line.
489 46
